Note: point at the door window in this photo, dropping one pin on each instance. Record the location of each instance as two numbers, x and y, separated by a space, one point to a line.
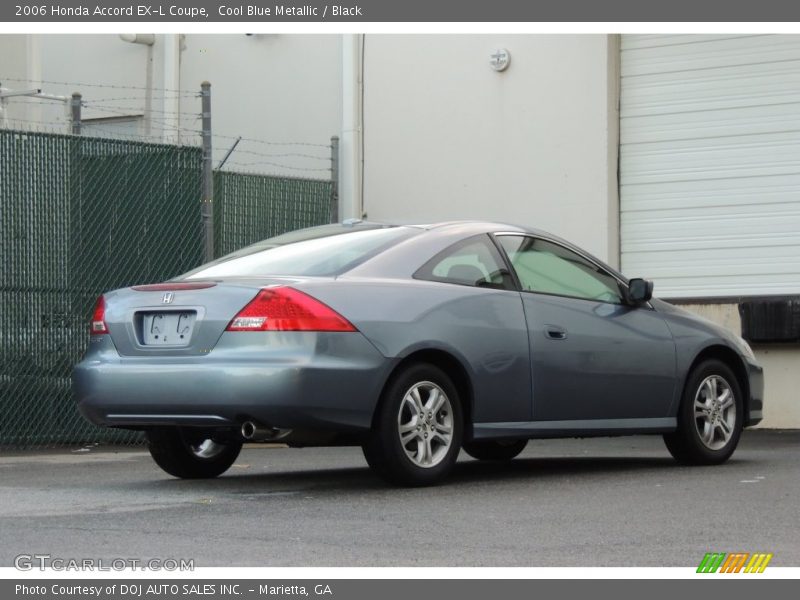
547 268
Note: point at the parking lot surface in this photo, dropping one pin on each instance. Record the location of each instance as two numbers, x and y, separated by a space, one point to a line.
584 502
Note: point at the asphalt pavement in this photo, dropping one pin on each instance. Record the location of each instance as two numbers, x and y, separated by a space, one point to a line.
580 502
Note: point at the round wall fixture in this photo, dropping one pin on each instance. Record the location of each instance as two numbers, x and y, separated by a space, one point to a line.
499 59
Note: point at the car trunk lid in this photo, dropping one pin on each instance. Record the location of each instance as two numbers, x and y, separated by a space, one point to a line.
179 318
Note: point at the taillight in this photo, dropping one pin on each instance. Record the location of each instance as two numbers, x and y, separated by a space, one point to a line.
99 317
287 309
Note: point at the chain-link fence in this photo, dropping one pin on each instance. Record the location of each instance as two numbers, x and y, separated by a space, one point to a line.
80 216
250 207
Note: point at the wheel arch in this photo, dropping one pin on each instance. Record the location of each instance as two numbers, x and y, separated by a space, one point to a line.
731 358
453 368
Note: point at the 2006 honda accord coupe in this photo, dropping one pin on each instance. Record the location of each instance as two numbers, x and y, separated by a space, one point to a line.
412 342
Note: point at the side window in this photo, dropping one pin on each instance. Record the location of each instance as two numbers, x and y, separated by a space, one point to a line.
474 261
548 268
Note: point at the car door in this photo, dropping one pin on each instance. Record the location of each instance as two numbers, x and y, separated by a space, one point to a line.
592 355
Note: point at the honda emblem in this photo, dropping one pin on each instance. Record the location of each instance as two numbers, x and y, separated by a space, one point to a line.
167 298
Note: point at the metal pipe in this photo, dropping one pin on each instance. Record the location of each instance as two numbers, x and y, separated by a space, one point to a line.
256 432
228 153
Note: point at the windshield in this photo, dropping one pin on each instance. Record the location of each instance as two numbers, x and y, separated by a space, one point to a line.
324 256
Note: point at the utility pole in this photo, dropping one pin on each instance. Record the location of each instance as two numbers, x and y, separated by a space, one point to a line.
206 210
76 113
335 179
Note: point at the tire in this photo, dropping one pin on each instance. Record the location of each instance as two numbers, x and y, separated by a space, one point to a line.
710 435
188 455
495 449
433 441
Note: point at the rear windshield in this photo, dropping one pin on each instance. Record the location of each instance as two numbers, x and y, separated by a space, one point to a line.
324 256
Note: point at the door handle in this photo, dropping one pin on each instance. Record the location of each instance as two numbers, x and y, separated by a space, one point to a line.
554 332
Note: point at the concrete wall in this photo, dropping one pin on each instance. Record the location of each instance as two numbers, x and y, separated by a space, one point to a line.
446 137
781 375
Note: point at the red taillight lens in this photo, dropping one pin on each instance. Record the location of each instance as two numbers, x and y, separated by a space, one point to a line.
99 317
287 309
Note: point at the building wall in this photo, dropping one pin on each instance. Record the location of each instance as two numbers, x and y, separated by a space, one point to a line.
446 137
279 88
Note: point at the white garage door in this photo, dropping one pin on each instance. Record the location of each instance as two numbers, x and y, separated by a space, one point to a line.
710 163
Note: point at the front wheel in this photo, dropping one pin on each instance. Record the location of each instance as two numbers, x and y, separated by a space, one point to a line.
495 449
191 455
710 416
417 431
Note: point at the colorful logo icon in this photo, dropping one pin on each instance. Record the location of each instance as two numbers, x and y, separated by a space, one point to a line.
735 562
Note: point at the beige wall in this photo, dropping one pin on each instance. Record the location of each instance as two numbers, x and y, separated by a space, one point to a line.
781 373
446 137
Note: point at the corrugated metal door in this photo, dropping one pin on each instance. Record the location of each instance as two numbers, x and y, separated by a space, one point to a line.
710 163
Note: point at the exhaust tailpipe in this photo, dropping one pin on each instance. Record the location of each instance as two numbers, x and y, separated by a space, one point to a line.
256 432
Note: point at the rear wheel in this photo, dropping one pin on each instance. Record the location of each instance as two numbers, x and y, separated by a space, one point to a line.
418 428
495 449
191 455
710 417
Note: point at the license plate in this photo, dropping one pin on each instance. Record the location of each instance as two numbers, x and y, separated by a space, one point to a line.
168 329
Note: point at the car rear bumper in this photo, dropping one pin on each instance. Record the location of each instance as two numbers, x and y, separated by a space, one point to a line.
327 381
755 406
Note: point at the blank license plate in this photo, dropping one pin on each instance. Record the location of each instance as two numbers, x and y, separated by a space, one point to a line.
168 329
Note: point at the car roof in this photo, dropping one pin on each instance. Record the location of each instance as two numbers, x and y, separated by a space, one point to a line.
474 227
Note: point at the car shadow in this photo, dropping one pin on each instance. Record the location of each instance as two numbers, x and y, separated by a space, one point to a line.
469 472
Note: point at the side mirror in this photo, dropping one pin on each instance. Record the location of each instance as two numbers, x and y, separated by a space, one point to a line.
639 291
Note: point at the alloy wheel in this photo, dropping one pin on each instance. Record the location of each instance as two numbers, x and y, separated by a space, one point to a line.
425 424
715 412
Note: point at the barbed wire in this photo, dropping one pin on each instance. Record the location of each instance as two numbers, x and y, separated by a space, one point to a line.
168 139
270 174
108 108
269 143
62 128
99 85
139 115
27 101
278 165
166 127
171 127
124 98
44 126
284 155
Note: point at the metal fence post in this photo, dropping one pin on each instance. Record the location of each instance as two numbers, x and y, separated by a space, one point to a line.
76 113
335 178
206 212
